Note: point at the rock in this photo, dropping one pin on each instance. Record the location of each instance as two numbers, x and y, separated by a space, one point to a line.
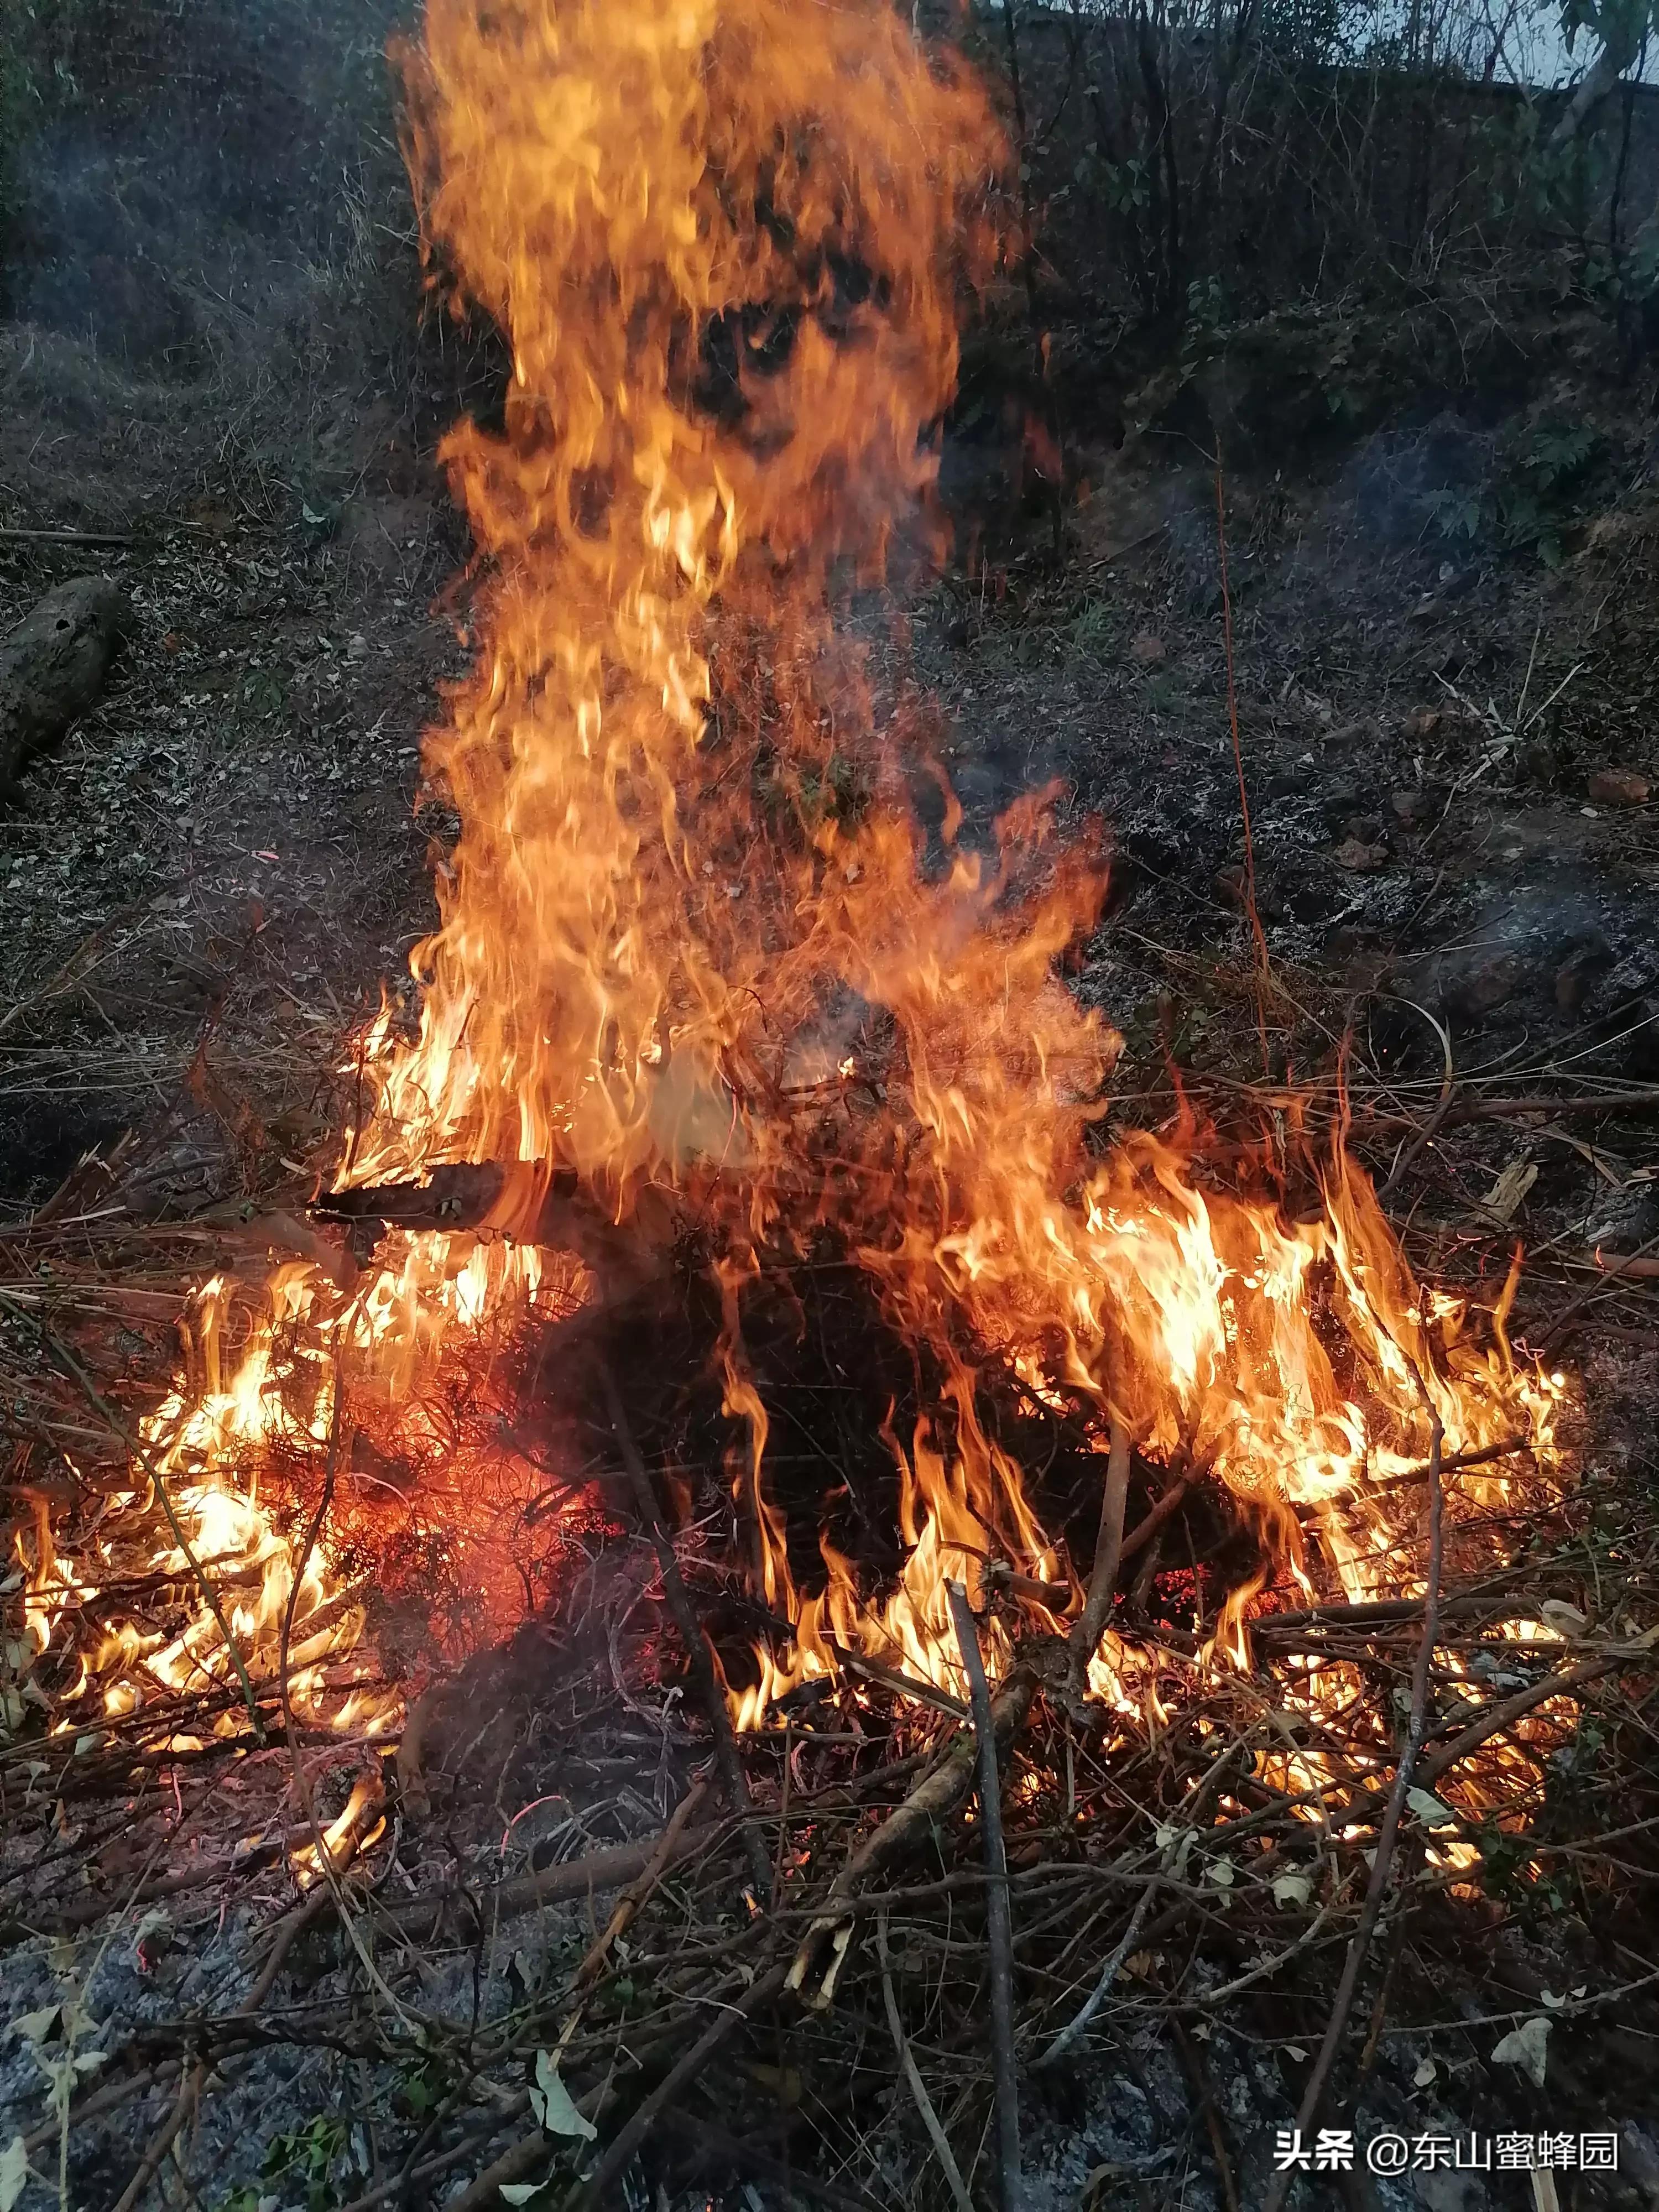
1542 760
1148 650
1486 984
1360 859
52 667
1619 786
1409 808
1623 1005
1584 959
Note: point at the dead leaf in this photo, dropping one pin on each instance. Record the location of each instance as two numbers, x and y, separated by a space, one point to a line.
13 2173
551 2102
1527 2047
1565 1620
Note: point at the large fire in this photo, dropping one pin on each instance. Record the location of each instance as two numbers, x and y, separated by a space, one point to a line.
697 961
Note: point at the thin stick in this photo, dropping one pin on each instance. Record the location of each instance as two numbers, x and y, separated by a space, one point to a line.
1108 1553
1144 1530
902 1684
1198 2074
998 1919
691 1635
428 2169
1498 1716
1108 1973
519 2158
1370 1912
1570 1313
620 2156
150 2164
289 1929
924 2103
1427 1135
9 536
633 1897
66 1359
940 1790
736 2154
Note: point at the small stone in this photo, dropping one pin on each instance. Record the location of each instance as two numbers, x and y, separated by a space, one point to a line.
1360 859
1422 722
1408 807
1148 650
1619 786
1490 983
1585 963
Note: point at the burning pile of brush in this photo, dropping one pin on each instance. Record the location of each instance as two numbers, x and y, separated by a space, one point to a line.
704 1001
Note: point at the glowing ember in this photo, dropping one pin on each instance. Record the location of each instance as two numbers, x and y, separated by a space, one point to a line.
688 946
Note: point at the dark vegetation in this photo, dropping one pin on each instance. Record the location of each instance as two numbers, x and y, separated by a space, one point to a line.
1336 282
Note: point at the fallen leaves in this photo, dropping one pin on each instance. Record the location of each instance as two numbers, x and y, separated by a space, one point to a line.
1527 2047
13 2173
550 2101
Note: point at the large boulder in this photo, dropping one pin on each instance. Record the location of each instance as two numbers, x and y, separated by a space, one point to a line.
54 664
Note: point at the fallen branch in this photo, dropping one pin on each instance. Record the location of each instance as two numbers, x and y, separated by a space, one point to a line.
1370 1912
1000 1932
150 2165
1146 1528
902 1685
939 1790
1108 1553
620 2156
1639 1267
610 1867
12 536
633 1897
1498 1716
736 2154
924 2103
691 1635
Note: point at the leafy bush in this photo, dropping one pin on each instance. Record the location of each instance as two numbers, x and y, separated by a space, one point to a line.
1533 496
